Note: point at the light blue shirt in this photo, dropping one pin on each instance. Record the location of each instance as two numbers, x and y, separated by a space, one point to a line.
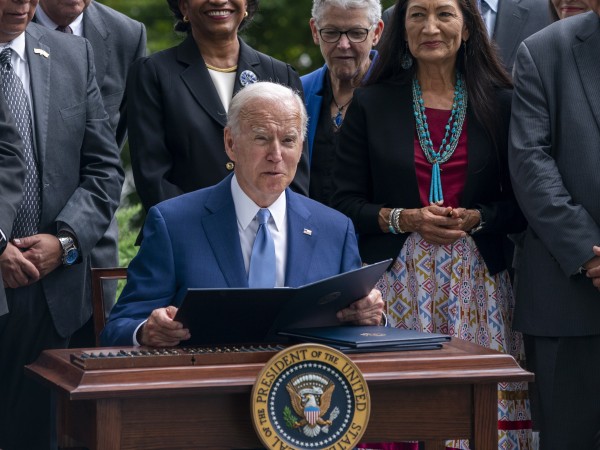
489 12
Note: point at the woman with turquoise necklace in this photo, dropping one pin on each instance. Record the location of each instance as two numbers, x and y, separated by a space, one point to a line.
422 171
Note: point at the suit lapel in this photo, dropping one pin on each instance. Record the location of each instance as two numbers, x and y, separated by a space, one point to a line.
249 63
303 235
39 72
197 79
586 55
507 31
221 231
96 31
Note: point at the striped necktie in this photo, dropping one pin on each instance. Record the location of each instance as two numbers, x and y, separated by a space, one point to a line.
28 215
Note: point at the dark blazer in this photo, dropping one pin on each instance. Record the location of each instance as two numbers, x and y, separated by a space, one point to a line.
117 41
193 241
555 166
375 168
12 175
176 120
515 21
78 157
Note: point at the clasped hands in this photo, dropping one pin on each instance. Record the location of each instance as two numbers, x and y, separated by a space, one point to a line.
27 260
160 330
439 224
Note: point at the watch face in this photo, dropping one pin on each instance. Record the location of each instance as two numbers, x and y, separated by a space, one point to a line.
72 256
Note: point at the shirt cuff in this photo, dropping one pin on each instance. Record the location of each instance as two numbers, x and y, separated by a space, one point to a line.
135 341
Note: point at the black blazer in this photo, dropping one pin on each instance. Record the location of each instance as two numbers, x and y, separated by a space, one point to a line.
375 168
176 120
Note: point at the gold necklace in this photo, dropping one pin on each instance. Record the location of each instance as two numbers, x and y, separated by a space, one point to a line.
218 69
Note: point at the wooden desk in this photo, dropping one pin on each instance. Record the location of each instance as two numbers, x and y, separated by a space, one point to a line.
420 395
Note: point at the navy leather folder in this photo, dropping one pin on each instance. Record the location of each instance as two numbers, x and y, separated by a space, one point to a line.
367 337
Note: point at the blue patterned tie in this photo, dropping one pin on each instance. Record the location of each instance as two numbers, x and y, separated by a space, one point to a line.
262 259
28 215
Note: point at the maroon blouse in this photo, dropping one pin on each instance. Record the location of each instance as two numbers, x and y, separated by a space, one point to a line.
453 171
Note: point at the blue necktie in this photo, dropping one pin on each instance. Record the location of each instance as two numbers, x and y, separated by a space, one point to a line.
28 215
262 259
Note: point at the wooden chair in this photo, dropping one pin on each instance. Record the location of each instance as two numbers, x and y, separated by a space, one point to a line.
99 276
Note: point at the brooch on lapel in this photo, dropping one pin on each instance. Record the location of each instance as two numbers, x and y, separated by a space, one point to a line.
248 77
39 51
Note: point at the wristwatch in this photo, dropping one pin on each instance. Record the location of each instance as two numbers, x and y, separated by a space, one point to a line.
480 225
70 250
3 242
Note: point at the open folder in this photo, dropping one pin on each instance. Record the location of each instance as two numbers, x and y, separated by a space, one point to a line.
246 315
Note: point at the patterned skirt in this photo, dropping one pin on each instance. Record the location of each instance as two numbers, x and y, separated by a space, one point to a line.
448 289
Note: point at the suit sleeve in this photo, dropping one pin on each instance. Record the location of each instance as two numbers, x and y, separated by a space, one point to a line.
565 227
151 160
140 51
100 175
150 283
12 173
350 256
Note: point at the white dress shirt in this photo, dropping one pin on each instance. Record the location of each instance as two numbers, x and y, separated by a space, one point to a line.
245 210
19 63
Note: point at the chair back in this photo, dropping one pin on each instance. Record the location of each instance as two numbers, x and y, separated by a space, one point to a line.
99 276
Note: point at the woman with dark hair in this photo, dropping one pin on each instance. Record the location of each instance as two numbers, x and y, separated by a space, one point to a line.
422 171
177 100
561 9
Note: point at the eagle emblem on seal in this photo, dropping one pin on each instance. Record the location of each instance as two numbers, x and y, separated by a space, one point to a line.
310 396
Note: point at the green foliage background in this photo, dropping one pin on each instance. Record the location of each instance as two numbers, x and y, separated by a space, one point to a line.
279 29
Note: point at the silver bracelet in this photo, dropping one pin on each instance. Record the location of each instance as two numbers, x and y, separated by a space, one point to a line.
397 226
391 222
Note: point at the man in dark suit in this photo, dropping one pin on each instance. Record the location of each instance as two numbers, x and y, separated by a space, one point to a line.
554 155
205 238
12 174
73 185
117 41
508 22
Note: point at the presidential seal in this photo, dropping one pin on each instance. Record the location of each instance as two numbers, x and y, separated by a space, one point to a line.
310 396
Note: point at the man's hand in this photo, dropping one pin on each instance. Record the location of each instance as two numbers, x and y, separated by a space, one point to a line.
161 330
592 267
17 271
42 250
366 311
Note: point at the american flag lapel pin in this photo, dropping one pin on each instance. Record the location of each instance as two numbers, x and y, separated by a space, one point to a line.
307 232
40 51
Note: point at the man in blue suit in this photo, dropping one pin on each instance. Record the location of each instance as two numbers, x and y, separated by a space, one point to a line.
205 238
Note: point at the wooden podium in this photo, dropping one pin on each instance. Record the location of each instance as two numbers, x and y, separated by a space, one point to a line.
416 395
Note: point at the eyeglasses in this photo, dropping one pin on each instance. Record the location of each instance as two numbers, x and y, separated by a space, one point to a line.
356 35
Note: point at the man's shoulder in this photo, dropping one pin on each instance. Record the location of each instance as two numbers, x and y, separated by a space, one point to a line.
113 17
318 210
563 33
54 39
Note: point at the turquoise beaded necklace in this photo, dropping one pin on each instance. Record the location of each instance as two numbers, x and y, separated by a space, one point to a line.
451 137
